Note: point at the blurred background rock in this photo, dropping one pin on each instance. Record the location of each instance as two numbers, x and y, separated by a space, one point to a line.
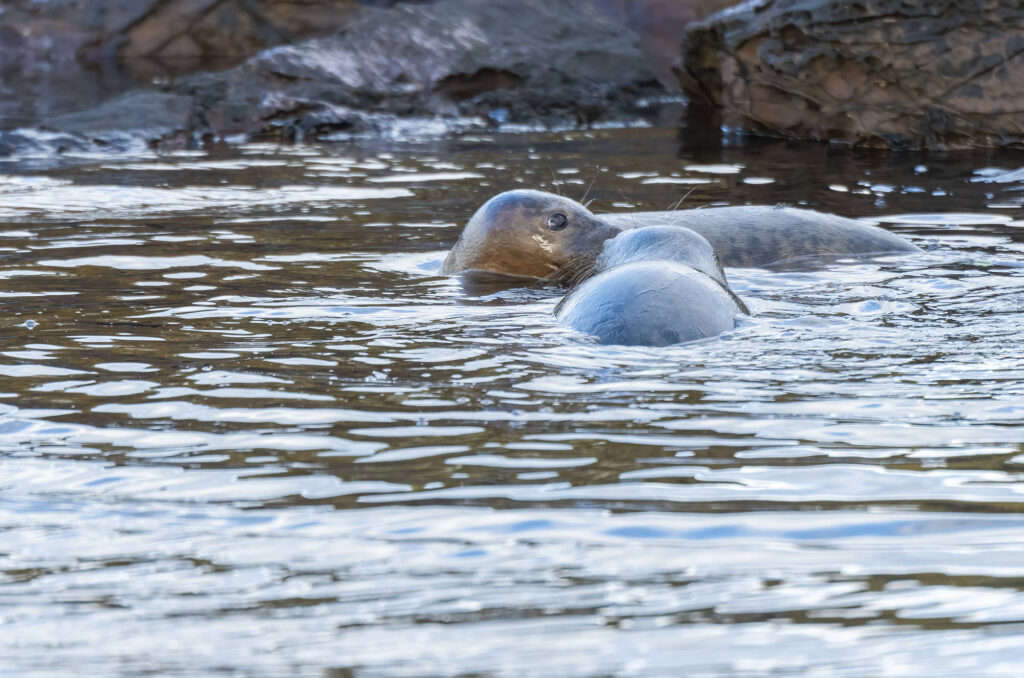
59 56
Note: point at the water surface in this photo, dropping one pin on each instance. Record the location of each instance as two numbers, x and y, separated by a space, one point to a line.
245 427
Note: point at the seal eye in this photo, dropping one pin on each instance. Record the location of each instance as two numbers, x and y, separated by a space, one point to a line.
557 221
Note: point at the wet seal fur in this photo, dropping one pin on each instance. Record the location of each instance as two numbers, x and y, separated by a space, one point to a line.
509 235
653 286
512 235
756 236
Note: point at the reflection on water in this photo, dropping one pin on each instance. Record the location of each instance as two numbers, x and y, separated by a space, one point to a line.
246 427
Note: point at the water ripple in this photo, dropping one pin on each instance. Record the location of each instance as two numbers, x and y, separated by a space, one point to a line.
242 414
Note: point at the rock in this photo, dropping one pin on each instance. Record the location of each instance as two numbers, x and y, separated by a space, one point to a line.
442 66
181 33
65 55
58 56
161 119
537 62
185 34
43 31
532 62
659 23
896 73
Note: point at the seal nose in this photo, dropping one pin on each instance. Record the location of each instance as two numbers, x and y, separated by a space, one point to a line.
593 237
586 246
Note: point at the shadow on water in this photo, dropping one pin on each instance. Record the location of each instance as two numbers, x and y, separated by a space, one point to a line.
245 426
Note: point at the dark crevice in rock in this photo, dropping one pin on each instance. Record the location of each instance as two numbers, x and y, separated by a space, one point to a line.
460 86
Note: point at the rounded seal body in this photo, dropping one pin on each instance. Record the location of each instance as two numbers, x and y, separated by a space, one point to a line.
649 303
668 243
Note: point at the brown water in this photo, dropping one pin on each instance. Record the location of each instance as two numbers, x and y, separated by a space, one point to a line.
246 429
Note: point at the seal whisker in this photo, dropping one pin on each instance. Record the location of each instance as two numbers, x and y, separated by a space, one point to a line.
583 200
563 273
560 274
681 200
560 304
632 216
674 216
573 272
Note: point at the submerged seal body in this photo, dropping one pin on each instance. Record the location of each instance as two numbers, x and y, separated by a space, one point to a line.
541 235
653 286
757 235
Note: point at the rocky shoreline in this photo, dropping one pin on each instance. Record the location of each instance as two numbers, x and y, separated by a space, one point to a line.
337 69
458 63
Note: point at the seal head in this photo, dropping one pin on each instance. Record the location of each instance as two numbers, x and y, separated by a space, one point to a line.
662 243
527 234
671 243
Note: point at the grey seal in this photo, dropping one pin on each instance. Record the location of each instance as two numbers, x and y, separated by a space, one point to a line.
652 286
654 243
536 234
